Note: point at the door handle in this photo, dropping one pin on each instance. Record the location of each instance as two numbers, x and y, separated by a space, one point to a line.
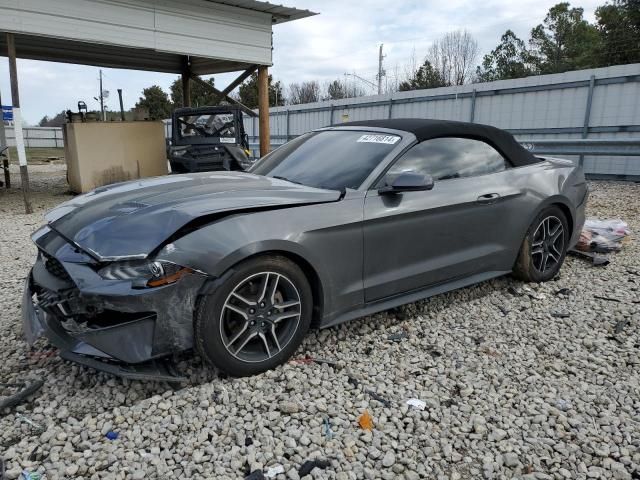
488 198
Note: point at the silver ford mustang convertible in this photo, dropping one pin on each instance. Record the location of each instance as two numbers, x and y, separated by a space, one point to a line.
339 223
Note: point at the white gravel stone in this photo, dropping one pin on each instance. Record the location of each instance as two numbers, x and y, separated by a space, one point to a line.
13 473
289 407
511 459
389 459
516 395
71 470
497 434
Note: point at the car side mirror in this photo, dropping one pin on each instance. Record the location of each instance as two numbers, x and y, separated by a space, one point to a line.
408 182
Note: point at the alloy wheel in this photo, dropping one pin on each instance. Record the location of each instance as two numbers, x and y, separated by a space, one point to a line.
548 244
260 316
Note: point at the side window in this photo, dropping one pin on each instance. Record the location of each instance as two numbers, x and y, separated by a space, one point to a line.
449 157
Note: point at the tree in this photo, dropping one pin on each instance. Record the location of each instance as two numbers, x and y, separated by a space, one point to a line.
336 90
305 92
248 92
156 102
200 95
619 27
564 41
424 77
454 56
56 121
510 59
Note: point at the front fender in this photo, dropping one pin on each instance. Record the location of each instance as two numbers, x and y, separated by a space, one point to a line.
326 237
204 251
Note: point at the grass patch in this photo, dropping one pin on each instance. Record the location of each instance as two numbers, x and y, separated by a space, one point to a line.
38 154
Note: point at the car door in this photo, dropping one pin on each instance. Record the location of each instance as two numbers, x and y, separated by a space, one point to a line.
413 240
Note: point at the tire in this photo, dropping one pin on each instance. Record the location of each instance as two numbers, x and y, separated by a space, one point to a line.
530 265
261 318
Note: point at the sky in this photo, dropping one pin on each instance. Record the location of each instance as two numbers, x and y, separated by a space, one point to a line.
343 38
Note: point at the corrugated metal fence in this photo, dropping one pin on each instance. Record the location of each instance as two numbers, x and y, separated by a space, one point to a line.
596 103
601 103
37 137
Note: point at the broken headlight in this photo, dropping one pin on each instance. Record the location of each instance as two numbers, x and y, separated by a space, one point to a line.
144 273
179 151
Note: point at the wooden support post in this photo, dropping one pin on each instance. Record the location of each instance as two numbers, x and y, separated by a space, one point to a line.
186 84
17 122
6 158
263 109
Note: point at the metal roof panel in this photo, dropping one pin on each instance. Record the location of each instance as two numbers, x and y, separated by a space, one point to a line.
280 13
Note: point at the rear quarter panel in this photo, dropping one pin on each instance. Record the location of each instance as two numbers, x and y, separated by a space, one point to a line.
552 181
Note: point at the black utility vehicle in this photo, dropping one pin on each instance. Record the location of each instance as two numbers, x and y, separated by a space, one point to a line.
208 138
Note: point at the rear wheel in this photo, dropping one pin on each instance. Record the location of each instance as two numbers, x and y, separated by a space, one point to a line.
257 318
544 247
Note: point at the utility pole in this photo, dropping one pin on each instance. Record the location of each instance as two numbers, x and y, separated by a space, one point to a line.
381 72
101 97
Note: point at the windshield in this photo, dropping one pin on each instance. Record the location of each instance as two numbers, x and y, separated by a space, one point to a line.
332 159
219 125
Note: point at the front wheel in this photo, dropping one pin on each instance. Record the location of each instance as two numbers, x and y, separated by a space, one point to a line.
544 247
257 318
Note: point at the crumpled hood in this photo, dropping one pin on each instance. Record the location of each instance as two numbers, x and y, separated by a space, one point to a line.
132 219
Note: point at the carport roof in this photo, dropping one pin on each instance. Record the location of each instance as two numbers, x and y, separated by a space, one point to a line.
155 35
280 13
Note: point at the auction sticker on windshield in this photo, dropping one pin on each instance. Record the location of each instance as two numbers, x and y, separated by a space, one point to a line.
388 139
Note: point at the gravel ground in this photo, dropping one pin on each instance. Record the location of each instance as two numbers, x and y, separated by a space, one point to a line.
511 391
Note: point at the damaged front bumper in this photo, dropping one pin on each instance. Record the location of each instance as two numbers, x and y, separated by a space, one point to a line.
109 325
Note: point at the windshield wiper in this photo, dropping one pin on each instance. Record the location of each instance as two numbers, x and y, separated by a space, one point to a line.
286 179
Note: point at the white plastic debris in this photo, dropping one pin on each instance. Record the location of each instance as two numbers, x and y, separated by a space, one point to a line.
602 236
416 403
274 471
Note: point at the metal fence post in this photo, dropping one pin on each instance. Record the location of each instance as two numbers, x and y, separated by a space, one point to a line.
253 131
287 127
587 113
331 114
472 116
390 107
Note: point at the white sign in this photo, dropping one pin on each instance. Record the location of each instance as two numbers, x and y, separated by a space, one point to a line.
388 139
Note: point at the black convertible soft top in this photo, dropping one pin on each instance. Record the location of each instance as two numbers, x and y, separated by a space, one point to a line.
425 129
